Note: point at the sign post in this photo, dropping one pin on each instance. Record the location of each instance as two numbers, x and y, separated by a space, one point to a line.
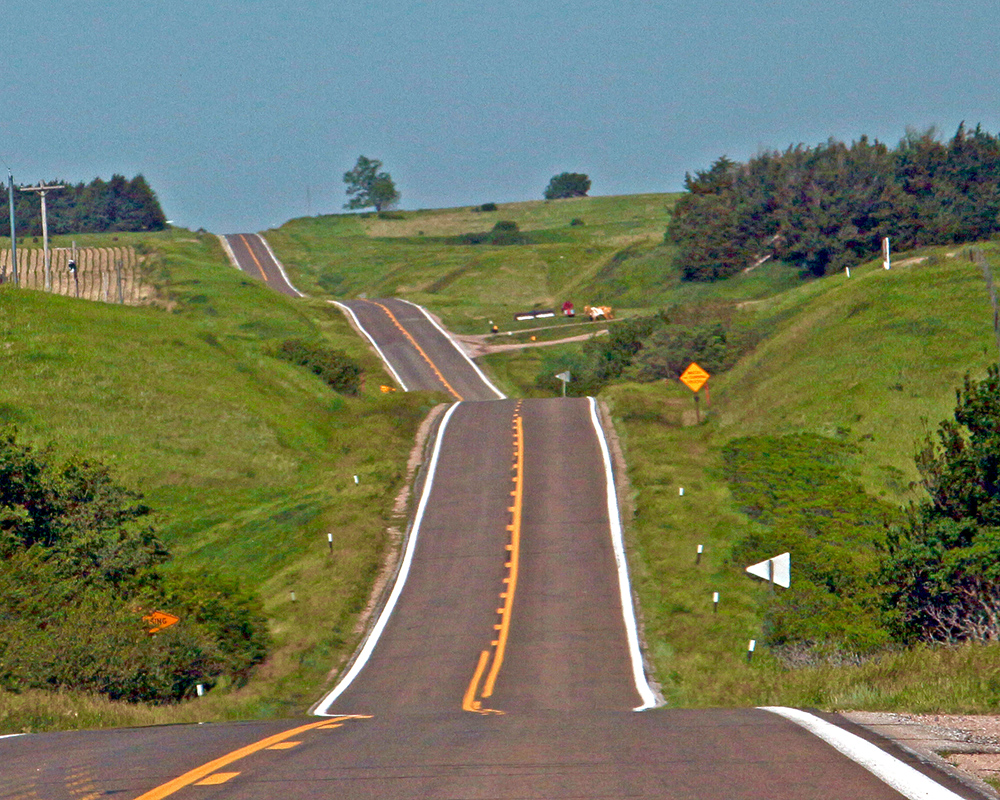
565 377
777 570
694 377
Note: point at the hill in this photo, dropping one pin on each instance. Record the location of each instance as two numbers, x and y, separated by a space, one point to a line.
869 364
247 460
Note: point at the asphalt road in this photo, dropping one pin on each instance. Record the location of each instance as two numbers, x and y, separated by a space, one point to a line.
420 355
250 253
501 669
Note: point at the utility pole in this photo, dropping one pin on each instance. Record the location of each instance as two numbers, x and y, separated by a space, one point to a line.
13 233
43 190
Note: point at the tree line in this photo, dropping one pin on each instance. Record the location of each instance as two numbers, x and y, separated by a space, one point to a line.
827 207
96 207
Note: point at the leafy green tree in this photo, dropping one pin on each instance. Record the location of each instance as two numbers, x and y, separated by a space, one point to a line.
944 566
826 207
369 188
567 184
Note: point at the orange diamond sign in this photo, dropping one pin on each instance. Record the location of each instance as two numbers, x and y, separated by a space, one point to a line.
694 377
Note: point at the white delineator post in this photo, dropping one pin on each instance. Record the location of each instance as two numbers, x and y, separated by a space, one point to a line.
886 262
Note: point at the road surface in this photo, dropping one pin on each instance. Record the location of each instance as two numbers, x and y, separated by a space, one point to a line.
417 350
250 253
503 665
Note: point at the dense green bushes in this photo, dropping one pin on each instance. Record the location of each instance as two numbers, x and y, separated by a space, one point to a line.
866 573
79 568
642 349
944 569
826 207
341 372
504 232
793 487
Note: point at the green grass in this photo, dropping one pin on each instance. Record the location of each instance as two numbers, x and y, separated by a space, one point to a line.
413 257
248 460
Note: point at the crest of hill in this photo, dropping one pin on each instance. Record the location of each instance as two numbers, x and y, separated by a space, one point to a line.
418 255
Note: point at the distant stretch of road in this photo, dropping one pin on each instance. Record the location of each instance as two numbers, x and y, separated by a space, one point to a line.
505 662
417 350
250 253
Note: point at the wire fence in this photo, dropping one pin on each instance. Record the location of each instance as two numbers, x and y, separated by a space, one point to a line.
104 274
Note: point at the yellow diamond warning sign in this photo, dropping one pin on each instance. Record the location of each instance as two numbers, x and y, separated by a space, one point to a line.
694 377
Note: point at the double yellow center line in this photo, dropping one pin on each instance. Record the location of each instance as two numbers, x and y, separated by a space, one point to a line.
475 694
419 349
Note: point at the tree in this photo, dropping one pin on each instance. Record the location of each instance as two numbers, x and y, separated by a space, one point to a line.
567 184
367 187
944 566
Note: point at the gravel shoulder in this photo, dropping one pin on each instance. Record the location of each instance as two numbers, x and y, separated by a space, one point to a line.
965 746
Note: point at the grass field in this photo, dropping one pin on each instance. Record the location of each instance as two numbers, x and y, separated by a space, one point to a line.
250 461
413 255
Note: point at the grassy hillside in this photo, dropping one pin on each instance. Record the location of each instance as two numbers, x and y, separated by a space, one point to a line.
248 460
871 361
417 255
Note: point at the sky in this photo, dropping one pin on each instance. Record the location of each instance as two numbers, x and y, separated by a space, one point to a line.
243 115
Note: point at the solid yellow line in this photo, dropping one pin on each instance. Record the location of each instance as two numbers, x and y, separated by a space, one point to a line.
198 773
469 702
250 251
420 350
515 550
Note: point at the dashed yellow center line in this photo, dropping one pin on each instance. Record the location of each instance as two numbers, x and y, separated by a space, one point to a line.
498 646
420 350
253 256
209 774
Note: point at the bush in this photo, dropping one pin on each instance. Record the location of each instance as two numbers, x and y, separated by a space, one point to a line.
575 222
488 207
79 570
341 372
793 487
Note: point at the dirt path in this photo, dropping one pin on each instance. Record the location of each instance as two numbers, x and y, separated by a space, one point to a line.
478 345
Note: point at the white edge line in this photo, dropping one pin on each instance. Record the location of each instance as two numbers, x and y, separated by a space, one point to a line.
348 310
373 636
229 250
11 735
648 696
500 395
906 780
281 267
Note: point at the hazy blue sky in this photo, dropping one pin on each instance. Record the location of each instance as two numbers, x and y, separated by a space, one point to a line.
242 113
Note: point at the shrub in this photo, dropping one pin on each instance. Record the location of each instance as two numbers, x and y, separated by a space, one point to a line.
341 372
488 207
576 221
78 571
